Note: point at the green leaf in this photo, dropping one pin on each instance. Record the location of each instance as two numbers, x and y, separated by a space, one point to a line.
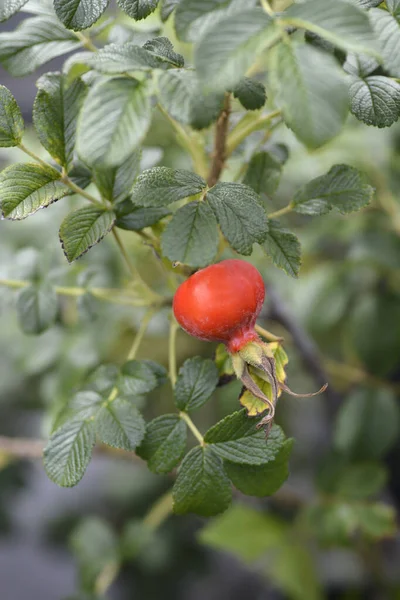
191 237
283 248
37 308
227 50
340 23
387 31
8 8
263 173
245 532
201 486
27 187
79 14
167 8
314 107
83 228
293 571
119 424
157 53
183 97
55 114
237 439
367 3
96 547
140 376
394 7
164 443
250 93
263 480
138 9
241 217
110 144
197 380
361 481
377 520
33 43
193 16
115 183
69 451
11 121
375 100
134 218
368 424
360 65
342 188
160 186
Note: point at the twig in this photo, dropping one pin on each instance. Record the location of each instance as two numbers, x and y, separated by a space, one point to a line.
219 154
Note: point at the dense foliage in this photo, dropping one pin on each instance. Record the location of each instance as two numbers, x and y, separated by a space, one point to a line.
178 128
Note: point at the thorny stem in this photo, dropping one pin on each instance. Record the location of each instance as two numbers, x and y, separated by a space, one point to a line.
220 151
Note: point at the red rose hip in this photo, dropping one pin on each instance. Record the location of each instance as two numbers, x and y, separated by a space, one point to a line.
221 303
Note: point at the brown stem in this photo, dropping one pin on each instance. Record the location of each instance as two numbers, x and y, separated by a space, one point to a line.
219 154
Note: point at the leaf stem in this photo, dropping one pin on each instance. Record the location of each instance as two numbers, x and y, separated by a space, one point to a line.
267 7
35 157
140 333
86 41
185 417
281 212
173 330
245 127
220 153
160 510
268 335
132 269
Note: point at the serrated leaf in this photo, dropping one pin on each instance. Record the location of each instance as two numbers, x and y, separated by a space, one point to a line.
33 43
240 215
119 424
201 486
83 228
250 93
191 237
342 188
263 173
283 248
55 113
95 547
197 380
27 187
375 100
393 7
183 97
157 53
115 183
8 8
69 451
227 50
138 9
264 480
167 7
140 376
11 121
360 65
339 22
127 100
367 424
160 186
37 308
387 32
164 443
237 439
134 218
315 108
79 14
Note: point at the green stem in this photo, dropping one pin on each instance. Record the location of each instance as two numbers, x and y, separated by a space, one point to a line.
140 333
173 330
195 149
281 212
86 41
185 417
267 7
33 155
132 269
267 334
160 510
245 127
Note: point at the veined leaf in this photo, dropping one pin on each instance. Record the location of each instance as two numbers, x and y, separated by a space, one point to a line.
55 114
191 237
11 121
115 183
263 173
164 443
111 143
375 100
314 107
8 8
134 218
37 308
193 16
387 31
83 228
27 187
138 9
167 7
283 248
250 93
201 486
140 376
197 379
79 14
160 186
119 424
